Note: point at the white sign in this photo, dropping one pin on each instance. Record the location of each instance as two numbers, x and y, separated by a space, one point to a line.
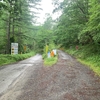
14 48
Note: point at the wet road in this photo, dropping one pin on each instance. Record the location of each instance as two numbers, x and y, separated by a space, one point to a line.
9 73
66 80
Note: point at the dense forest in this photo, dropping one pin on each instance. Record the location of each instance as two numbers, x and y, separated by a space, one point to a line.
17 23
78 24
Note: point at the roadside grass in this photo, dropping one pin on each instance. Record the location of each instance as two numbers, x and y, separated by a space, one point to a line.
50 61
94 66
8 59
87 56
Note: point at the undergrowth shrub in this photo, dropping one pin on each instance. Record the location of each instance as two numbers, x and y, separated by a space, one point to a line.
7 59
50 61
87 55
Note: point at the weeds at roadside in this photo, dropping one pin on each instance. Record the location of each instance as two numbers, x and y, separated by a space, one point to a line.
50 61
8 59
87 56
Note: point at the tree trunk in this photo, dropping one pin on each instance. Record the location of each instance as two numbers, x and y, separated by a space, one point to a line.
8 36
13 28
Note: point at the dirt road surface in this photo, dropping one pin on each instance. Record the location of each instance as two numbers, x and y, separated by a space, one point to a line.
66 80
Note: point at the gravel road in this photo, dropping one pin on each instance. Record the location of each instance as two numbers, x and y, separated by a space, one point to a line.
66 80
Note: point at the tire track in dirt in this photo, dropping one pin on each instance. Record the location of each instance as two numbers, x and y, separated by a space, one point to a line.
66 80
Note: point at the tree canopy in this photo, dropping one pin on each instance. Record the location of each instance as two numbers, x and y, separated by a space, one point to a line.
79 24
17 22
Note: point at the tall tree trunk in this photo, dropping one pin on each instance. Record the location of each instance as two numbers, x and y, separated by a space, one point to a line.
13 28
8 29
19 37
8 36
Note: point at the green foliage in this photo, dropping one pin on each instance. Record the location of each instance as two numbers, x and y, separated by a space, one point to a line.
94 66
52 46
79 24
8 59
87 55
16 23
44 35
71 22
44 55
50 61
91 32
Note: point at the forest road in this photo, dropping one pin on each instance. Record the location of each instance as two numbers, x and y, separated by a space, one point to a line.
66 80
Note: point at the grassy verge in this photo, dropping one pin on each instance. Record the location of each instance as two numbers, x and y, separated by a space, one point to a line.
87 56
8 59
50 61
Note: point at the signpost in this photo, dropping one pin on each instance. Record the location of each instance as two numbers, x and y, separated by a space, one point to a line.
14 48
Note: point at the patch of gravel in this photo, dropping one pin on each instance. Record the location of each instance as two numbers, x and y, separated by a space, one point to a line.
66 80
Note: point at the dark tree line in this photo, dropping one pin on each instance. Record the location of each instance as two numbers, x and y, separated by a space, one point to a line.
79 23
16 22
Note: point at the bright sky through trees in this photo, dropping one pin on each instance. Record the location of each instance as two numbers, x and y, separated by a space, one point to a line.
47 7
